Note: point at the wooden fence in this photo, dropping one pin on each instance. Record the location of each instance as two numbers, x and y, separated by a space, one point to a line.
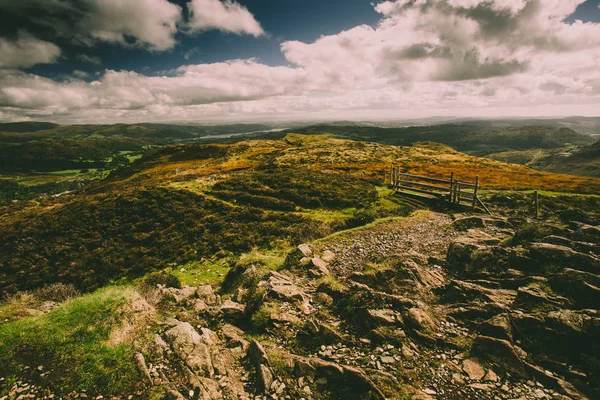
448 191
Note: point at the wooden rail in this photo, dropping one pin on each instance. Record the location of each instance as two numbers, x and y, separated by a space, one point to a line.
447 191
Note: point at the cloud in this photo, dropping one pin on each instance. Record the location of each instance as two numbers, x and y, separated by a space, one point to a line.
145 23
225 15
27 51
89 59
423 58
149 22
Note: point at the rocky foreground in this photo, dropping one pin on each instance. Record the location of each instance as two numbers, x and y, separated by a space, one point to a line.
423 308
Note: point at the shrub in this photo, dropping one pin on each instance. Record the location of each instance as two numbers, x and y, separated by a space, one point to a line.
58 292
161 278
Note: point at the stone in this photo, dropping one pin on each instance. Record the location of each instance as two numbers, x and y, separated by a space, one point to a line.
265 378
191 347
491 376
465 223
551 254
499 351
420 319
257 354
281 287
384 317
473 369
532 297
207 294
305 250
143 368
233 310
320 265
588 233
328 256
498 327
199 306
234 336
178 295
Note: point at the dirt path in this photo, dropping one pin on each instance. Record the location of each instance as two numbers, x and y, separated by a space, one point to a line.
427 233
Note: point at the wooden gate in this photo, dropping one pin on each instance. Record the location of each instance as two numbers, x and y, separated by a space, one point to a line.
448 191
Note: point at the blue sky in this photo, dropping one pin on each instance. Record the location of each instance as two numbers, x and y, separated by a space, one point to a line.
80 60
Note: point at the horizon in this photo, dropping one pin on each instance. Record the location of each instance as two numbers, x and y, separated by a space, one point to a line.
225 61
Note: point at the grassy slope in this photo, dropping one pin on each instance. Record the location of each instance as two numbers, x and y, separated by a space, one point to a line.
72 345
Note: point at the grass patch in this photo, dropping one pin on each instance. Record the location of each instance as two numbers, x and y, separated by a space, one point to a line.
70 343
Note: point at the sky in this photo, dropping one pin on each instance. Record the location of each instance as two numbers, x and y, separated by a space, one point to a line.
108 61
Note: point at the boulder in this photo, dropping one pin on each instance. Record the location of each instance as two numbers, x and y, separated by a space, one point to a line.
552 254
328 256
384 317
234 336
588 233
320 265
465 223
305 250
233 310
497 327
468 258
420 319
582 287
257 354
473 369
532 298
207 294
191 347
501 352
177 295
282 287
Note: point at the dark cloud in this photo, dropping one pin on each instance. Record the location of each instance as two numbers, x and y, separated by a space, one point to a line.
471 67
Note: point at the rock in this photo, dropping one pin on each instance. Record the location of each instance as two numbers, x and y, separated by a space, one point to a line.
281 287
473 369
233 310
582 287
329 334
264 378
499 351
257 354
462 224
588 233
305 250
497 327
177 295
384 317
234 336
467 258
491 376
320 265
551 254
531 297
328 256
420 319
191 348
141 364
582 247
199 306
207 294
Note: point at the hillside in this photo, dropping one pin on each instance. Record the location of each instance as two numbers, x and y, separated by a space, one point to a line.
288 268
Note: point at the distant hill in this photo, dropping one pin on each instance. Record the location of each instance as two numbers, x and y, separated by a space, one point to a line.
471 138
26 126
584 161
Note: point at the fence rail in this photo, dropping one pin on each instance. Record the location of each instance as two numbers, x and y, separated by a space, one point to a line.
449 191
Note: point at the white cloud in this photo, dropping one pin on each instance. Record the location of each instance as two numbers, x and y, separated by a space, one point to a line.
150 22
425 57
225 15
27 51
